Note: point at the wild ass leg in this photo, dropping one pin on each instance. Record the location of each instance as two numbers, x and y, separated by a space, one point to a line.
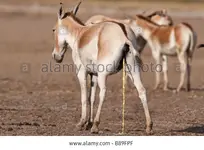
128 82
189 61
82 80
134 74
165 71
157 73
92 94
181 58
102 86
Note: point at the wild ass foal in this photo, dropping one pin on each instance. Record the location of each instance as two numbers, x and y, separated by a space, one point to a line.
93 48
178 40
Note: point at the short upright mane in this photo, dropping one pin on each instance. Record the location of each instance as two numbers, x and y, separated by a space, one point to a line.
73 17
147 19
152 14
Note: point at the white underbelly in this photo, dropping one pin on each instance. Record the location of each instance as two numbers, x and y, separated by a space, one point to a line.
169 50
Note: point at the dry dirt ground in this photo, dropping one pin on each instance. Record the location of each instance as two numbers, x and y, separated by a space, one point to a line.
33 102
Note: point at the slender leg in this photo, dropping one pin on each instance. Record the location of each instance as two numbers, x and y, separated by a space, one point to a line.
157 73
93 95
165 71
102 86
91 100
128 81
183 66
134 74
89 87
189 61
89 78
82 80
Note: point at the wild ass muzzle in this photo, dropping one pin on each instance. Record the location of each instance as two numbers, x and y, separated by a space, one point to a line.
93 48
177 40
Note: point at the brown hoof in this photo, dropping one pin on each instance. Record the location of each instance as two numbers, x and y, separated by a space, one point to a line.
79 127
188 88
155 88
88 125
176 91
94 129
166 89
149 131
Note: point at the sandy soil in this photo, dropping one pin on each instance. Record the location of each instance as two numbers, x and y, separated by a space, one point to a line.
33 102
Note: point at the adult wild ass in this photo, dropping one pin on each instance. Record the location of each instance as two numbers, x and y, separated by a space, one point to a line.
93 47
159 17
177 40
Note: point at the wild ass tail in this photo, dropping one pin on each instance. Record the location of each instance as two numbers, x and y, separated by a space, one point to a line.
200 45
128 48
192 43
189 52
134 52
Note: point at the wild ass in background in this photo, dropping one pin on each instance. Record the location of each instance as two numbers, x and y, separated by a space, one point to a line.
102 44
178 40
159 17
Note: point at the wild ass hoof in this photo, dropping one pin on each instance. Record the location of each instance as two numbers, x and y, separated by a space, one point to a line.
166 89
79 126
94 129
88 125
149 129
176 91
156 87
188 89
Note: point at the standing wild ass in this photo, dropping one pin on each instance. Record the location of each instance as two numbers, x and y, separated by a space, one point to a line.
178 40
159 17
93 48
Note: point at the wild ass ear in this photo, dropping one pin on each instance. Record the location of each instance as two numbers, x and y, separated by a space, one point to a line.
60 11
164 11
144 12
74 11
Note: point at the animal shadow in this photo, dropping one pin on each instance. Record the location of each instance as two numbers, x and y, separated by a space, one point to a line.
196 129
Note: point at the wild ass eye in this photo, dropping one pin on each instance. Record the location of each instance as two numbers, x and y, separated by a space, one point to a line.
53 30
62 30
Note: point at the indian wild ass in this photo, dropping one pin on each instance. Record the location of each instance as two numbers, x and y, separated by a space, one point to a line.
93 48
159 17
177 40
